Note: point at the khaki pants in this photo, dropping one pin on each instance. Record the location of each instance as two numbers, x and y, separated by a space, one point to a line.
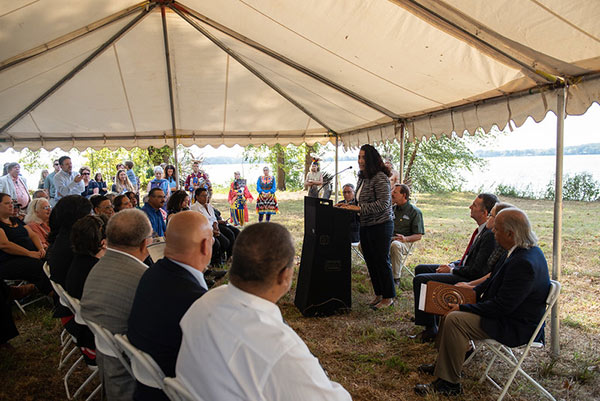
398 252
452 342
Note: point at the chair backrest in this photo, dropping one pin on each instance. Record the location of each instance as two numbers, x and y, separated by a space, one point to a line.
157 250
176 391
107 345
46 268
61 295
550 301
144 367
75 308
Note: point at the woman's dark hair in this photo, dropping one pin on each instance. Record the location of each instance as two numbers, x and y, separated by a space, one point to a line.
87 234
2 195
174 202
97 200
66 212
96 177
118 201
373 163
167 167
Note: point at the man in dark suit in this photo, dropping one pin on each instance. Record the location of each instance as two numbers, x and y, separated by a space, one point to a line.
509 304
473 264
166 291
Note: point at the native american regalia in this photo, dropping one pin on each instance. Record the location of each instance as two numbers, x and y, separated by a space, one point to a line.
238 195
266 202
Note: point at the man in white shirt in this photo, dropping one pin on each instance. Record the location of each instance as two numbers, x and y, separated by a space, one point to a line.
235 344
66 181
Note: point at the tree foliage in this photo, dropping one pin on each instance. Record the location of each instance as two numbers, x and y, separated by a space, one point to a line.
433 165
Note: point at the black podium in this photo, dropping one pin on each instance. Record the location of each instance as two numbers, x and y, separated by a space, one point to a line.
324 280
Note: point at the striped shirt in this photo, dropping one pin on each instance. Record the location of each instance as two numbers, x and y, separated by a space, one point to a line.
375 199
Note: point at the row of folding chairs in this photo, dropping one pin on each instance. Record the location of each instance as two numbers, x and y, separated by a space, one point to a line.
140 365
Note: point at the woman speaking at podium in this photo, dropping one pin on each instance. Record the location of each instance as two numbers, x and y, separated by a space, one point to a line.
374 199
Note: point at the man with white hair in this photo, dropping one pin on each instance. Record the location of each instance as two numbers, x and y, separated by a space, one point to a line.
509 304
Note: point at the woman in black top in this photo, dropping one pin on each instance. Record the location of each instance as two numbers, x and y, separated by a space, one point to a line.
373 195
21 250
101 184
178 202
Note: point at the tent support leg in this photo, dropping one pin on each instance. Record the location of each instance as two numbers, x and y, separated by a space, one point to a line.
337 144
558 207
401 167
171 101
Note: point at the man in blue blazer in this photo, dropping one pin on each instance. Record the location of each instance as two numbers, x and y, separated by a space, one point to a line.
166 291
473 265
509 304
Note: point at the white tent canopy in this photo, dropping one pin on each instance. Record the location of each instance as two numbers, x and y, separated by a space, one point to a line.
88 73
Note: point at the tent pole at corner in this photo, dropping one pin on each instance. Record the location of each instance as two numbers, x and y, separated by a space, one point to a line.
401 167
171 101
336 166
558 206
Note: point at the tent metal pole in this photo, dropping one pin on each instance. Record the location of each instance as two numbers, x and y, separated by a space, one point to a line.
337 144
298 67
247 66
75 70
558 208
401 167
171 97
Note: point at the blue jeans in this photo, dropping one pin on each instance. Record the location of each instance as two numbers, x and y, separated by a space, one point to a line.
375 243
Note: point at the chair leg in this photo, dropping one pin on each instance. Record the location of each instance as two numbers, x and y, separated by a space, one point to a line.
85 383
64 360
68 374
96 391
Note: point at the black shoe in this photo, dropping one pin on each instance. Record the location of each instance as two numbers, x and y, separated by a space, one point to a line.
439 387
427 335
428 368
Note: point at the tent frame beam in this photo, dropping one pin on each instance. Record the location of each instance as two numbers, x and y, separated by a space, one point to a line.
76 70
70 37
240 60
457 27
279 57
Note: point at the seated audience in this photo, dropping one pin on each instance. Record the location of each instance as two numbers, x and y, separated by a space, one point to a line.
509 304
222 243
21 250
230 231
348 194
90 186
38 219
40 193
109 290
179 201
159 182
102 204
122 183
166 291
89 245
153 209
101 183
133 198
60 253
472 265
235 344
408 227
121 202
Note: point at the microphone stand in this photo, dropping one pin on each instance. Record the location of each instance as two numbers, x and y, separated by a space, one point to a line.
333 176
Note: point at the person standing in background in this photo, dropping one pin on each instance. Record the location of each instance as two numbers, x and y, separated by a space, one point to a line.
66 181
49 183
43 176
101 183
91 187
15 185
314 180
131 175
238 197
266 204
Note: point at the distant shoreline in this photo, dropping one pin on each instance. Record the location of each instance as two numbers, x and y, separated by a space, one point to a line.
580 150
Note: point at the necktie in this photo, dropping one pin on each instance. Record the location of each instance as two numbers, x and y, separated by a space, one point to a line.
469 246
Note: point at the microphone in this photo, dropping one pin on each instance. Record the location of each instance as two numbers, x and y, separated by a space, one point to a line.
333 176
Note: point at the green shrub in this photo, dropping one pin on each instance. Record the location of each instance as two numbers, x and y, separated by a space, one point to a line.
578 187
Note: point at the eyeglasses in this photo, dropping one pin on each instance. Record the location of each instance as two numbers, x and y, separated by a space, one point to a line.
56 164
47 207
85 173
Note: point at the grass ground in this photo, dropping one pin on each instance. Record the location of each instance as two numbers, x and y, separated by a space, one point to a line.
370 353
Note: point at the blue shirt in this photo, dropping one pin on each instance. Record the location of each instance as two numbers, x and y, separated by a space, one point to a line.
132 178
156 220
49 184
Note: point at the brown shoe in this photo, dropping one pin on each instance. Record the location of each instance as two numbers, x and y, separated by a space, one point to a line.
21 291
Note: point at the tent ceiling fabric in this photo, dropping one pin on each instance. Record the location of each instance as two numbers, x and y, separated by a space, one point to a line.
284 72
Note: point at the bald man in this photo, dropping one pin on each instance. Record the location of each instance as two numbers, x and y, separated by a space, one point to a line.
166 291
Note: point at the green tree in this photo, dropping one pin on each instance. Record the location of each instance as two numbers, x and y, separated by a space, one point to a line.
433 165
287 162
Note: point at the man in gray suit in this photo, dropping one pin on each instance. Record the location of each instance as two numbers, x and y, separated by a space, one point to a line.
109 290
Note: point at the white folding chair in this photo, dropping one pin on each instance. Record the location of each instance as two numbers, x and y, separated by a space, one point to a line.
144 367
505 353
107 345
157 250
404 256
177 391
76 309
355 246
